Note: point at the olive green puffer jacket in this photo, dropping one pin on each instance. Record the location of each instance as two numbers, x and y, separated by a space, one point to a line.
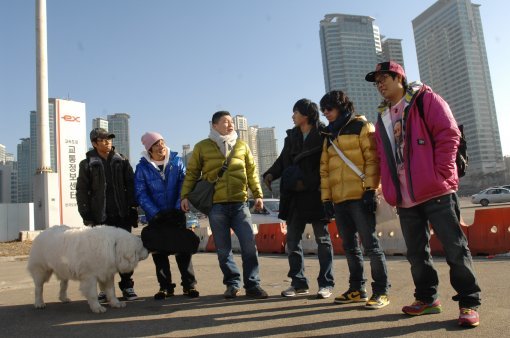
207 160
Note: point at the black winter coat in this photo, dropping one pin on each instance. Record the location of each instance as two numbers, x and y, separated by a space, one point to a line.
91 186
298 166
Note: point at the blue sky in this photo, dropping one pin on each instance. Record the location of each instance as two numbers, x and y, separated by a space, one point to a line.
172 64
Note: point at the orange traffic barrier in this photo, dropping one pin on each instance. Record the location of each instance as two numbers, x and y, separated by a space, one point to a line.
490 232
210 247
338 248
271 238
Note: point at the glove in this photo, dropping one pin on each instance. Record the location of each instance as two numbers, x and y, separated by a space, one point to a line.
267 181
329 211
369 201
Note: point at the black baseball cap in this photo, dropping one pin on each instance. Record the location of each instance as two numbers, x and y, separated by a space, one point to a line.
100 133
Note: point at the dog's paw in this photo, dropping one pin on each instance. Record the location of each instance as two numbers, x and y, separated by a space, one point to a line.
65 299
118 304
39 305
98 309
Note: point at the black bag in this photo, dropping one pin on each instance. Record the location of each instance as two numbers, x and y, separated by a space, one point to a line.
202 196
170 239
461 158
167 232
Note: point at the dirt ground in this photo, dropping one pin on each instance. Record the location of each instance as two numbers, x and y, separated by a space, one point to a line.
15 248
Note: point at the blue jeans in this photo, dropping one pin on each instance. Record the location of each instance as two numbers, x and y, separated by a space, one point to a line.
295 229
353 221
237 216
444 214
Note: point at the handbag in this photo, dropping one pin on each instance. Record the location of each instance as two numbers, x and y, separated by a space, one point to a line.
384 211
201 197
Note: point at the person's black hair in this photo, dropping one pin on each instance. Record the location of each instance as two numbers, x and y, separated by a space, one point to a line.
218 115
307 108
337 99
394 75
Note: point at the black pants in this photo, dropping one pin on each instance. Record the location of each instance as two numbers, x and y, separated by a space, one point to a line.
125 278
164 275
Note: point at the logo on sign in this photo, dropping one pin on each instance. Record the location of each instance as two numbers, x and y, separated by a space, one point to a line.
70 118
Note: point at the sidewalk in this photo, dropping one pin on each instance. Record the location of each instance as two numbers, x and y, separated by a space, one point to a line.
212 316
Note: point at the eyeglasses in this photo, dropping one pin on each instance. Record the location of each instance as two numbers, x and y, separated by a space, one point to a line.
380 80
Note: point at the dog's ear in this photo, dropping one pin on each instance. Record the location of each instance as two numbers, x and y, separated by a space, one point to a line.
126 254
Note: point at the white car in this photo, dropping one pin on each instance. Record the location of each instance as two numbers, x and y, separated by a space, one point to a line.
269 214
491 195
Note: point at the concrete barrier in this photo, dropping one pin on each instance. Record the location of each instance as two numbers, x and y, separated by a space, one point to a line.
15 217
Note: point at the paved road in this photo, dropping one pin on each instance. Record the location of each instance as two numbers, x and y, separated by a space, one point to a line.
212 316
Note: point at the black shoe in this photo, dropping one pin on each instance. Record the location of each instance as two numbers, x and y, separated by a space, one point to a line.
129 294
163 293
191 292
256 292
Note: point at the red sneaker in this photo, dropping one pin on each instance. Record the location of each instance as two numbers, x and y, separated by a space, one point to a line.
468 317
419 308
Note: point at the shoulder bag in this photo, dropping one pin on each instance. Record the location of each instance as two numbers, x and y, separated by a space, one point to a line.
201 197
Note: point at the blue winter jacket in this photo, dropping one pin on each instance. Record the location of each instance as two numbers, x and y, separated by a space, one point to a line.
154 192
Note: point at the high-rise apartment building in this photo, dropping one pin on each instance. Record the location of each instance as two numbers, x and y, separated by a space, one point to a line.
452 59
100 122
351 47
2 154
267 154
118 124
24 171
186 153
253 144
392 50
241 127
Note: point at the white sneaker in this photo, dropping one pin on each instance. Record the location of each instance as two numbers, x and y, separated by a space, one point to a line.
101 297
292 292
324 293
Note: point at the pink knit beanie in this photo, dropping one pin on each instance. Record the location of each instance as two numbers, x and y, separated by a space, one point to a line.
149 138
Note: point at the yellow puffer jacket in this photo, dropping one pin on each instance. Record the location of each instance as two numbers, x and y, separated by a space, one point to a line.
207 160
338 181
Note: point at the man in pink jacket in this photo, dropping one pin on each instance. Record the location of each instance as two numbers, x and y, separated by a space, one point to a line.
419 176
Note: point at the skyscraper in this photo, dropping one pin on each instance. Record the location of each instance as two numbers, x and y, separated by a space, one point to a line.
100 122
118 124
267 155
392 50
351 47
2 154
452 59
253 144
186 153
241 127
24 171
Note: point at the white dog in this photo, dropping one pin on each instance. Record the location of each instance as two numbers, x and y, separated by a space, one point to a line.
89 255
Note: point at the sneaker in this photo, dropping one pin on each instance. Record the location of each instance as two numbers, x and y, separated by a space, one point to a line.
419 308
377 301
190 292
129 294
468 317
101 297
163 293
293 292
324 293
231 292
256 292
352 296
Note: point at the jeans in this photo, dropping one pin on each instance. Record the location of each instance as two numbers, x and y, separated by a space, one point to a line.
295 229
164 274
443 214
353 221
235 216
